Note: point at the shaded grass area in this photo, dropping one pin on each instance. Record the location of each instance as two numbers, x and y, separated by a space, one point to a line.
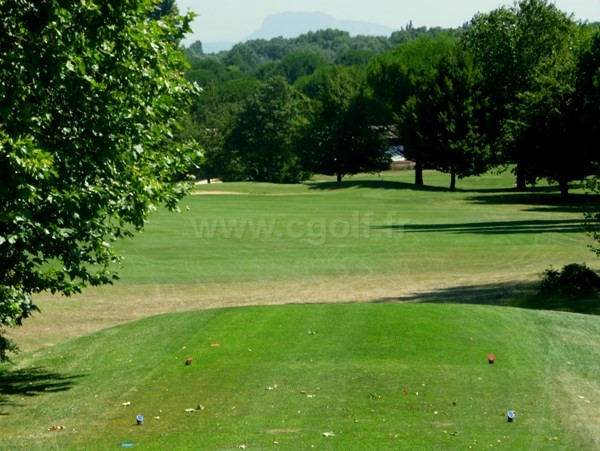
496 294
589 305
519 294
34 381
498 227
368 376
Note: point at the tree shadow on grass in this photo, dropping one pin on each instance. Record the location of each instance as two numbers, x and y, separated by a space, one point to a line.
494 227
540 201
32 382
539 198
488 294
589 306
372 184
548 192
508 294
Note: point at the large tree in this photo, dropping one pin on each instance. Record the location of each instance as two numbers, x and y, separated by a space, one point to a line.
398 78
343 137
588 86
587 92
552 119
212 117
90 95
512 45
442 122
265 134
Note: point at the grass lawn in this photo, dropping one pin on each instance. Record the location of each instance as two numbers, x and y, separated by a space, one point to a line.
389 272
370 238
329 376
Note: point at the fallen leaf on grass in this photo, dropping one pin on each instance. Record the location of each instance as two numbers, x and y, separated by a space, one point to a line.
56 428
190 410
328 434
126 404
215 345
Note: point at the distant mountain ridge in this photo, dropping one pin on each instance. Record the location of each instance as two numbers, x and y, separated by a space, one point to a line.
293 24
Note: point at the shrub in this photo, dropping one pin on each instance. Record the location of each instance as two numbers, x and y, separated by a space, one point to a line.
572 281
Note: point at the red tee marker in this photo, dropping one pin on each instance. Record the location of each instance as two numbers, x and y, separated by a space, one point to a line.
491 358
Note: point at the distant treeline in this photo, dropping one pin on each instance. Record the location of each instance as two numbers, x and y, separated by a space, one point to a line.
330 44
517 86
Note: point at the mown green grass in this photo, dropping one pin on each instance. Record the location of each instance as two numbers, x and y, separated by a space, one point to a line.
367 226
282 376
370 238
378 376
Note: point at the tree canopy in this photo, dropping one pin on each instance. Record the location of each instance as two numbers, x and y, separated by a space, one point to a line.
343 138
442 121
511 88
515 47
90 100
263 142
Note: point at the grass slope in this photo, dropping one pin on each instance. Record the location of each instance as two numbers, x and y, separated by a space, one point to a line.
375 376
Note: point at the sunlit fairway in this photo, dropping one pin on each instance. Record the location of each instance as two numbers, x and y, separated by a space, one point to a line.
370 238
379 352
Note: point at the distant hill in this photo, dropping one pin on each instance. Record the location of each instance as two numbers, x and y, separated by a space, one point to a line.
293 24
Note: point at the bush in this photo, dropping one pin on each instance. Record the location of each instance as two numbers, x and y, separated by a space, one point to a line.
573 281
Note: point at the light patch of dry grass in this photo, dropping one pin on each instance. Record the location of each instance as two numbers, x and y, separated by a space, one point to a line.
579 407
98 308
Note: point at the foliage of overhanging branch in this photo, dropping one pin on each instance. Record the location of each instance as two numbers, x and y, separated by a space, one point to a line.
90 96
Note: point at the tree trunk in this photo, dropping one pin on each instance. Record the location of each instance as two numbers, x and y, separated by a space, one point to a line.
452 179
339 177
521 179
418 173
564 189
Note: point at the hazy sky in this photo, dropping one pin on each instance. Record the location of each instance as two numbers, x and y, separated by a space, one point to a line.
233 20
